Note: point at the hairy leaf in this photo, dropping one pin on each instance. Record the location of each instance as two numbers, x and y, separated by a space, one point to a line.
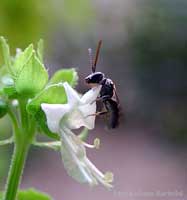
65 75
40 49
6 54
54 94
32 78
22 59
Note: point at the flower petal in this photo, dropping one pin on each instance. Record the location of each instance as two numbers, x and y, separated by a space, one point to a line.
88 115
83 115
91 96
72 159
54 113
72 96
77 164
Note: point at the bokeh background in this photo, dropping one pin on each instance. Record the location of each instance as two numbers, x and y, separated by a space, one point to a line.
145 53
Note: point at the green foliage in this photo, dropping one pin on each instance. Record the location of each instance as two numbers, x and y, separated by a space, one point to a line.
22 59
40 50
6 53
32 78
42 123
10 91
25 79
30 194
27 71
53 94
3 108
65 75
28 79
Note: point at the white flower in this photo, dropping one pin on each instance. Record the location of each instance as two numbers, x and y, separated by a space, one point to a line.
77 109
62 118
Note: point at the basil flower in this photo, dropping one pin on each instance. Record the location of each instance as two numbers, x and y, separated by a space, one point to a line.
63 118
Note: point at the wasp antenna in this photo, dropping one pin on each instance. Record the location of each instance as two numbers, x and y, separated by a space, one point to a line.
97 53
91 59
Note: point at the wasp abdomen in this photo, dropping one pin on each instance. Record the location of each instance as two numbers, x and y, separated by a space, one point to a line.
113 113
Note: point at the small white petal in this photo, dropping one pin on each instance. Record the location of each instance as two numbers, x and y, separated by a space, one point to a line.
75 119
91 96
80 117
54 113
83 115
72 95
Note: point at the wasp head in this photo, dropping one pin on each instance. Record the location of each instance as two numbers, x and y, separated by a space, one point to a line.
95 78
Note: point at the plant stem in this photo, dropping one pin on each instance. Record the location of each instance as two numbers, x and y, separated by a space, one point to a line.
23 114
16 169
23 135
14 123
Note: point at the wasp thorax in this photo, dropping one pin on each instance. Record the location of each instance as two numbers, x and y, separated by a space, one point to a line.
96 78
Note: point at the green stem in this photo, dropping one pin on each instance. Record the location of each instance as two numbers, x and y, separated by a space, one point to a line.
24 135
15 172
23 113
14 122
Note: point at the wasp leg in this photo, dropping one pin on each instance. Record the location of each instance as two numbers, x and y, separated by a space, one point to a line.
98 99
97 114
101 98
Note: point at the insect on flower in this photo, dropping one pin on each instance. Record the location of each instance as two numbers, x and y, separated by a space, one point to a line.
62 118
108 95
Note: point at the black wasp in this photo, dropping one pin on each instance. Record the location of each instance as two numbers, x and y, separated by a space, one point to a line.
108 95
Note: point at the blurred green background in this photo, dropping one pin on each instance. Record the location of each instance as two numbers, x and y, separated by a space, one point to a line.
144 52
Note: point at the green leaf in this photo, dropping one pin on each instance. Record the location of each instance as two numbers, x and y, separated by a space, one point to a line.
6 54
22 58
10 91
53 94
42 123
3 108
32 194
32 78
40 49
65 75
